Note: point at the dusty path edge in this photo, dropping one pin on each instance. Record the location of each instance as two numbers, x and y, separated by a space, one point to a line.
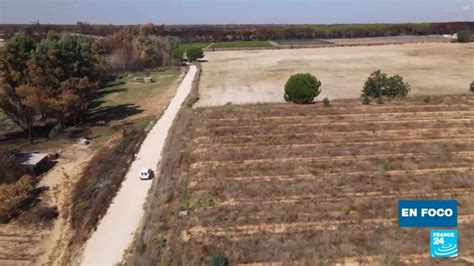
167 156
113 231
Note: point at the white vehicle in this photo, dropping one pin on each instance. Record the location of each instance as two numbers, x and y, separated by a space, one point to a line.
146 174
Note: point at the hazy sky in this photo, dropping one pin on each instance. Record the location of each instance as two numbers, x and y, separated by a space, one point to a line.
234 11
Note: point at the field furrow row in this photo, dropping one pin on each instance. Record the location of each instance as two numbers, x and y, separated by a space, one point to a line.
353 117
300 177
198 232
359 195
361 124
408 155
245 138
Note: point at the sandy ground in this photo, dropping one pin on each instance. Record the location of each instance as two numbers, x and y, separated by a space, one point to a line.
61 182
259 76
116 229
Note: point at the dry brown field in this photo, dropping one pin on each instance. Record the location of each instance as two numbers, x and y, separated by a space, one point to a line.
259 76
285 183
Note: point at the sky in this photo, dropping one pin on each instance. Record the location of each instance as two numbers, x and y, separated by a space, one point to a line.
234 11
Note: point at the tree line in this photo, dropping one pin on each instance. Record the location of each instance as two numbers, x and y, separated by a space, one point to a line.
56 78
197 33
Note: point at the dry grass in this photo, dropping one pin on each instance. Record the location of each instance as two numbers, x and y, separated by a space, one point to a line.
259 76
310 184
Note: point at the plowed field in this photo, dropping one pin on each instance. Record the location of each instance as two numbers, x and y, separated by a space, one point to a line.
286 183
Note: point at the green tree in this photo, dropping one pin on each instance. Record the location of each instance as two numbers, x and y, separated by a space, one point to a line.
375 84
65 73
56 78
15 97
177 54
194 53
396 87
302 88
380 85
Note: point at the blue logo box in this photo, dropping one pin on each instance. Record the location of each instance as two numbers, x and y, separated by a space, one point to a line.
443 243
428 213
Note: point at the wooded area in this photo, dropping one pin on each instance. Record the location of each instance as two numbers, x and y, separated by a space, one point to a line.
55 79
213 33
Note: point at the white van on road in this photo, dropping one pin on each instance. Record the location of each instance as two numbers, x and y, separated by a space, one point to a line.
146 174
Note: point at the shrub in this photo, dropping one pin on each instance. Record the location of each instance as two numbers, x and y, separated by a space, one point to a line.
375 84
380 84
39 215
177 54
13 195
160 242
366 100
464 36
379 100
326 102
205 203
10 171
302 88
396 87
194 53
218 259
471 88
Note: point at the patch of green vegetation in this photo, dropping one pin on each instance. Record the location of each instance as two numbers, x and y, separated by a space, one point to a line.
128 89
160 242
241 44
145 122
205 203
131 87
186 46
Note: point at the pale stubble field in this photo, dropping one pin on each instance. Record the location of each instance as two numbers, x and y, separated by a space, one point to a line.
256 76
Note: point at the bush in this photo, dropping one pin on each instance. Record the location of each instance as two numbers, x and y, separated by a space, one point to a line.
177 54
218 259
380 84
396 87
365 100
40 215
10 171
13 195
380 100
160 242
326 102
464 36
302 88
194 53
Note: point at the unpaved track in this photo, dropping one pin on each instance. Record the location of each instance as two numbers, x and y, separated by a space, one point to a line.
116 229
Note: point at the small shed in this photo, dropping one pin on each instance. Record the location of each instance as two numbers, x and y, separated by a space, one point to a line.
34 162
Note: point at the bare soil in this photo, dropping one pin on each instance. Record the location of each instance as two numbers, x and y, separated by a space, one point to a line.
242 77
283 183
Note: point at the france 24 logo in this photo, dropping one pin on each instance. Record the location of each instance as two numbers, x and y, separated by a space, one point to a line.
444 243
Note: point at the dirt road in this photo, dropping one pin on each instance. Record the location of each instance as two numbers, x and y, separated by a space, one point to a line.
259 76
117 228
